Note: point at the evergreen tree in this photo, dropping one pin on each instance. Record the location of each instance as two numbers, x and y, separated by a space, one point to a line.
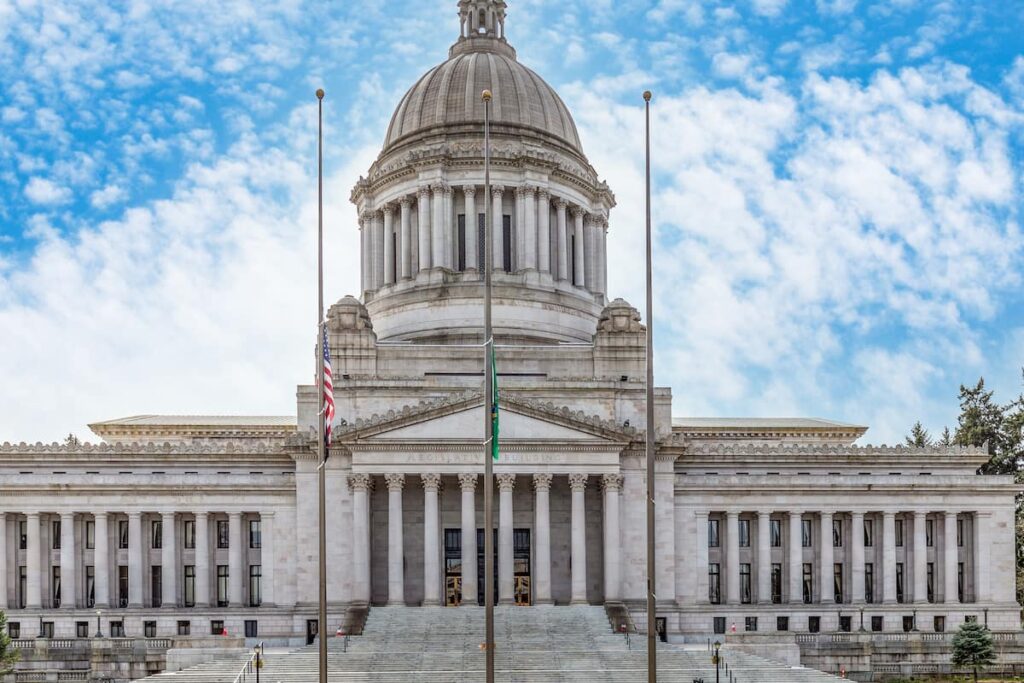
972 646
980 423
8 655
946 439
919 437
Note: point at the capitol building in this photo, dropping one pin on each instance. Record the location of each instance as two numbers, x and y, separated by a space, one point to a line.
179 525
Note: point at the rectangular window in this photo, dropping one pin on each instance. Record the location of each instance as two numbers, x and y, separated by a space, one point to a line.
157 534
223 534
90 535
776 583
216 627
117 629
931 582
506 245
745 583
939 624
775 526
122 533
90 586
781 623
255 534
714 584
255 587
14 630
251 628
222 585
81 629
959 533
750 624
899 582
899 533
190 585
908 623
845 623
808 582
122 585
837 578
869 533
23 535
869 582
744 533
56 535
837 533
719 624
149 629
462 243
156 581
184 628
805 533
960 581
877 623
713 539
46 629
929 532
190 534
572 257
55 587
813 624
22 586
971 619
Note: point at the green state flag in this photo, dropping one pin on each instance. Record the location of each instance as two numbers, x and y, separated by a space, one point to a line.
494 404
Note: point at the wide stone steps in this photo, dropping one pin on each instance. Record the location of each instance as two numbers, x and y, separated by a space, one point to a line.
532 645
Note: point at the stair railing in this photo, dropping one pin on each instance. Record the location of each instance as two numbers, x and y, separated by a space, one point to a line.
251 669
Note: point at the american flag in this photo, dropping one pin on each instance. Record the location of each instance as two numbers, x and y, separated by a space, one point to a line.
328 391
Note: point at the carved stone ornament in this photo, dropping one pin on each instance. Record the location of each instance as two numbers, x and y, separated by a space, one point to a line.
542 481
396 482
612 482
506 481
619 316
359 482
467 482
431 482
578 481
347 315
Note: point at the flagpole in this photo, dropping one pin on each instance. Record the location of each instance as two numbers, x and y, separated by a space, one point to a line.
322 474
652 643
488 404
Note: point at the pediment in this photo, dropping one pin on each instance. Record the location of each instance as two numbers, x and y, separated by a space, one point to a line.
468 424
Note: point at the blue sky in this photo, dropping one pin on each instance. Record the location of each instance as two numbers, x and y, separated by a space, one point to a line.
838 194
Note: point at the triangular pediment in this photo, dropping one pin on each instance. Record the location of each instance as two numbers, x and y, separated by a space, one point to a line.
469 424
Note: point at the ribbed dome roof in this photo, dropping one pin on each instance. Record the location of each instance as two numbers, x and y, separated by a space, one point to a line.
449 94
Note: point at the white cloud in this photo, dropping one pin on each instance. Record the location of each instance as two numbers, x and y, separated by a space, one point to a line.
769 8
729 65
43 191
108 196
12 114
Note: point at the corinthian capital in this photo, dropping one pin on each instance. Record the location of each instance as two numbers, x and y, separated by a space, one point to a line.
577 481
612 482
542 481
506 481
431 482
359 482
467 482
396 482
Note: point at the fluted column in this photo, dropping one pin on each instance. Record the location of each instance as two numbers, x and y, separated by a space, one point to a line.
530 238
562 239
577 214
828 592
469 551
235 566
268 565
431 534
378 250
889 557
578 485
700 562
857 556
168 562
506 566
360 484
33 562
764 557
472 227
68 582
590 251
732 557
612 542
449 227
949 550
544 231
497 223
602 256
423 227
437 237
795 558
406 238
389 244
202 559
135 551
365 250
396 548
519 230
542 529
920 559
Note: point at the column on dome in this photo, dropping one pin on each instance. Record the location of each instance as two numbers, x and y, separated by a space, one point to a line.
529 238
438 238
602 256
431 534
562 239
981 557
542 525
268 566
378 250
920 559
469 578
364 252
590 250
135 551
235 564
612 542
701 558
168 561
519 231
764 557
951 594
33 562
506 567
472 228
828 592
202 559
578 247
396 546
68 582
360 485
423 227
3 560
389 244
857 556
497 225
578 486
796 558
544 231
732 557
889 557
406 239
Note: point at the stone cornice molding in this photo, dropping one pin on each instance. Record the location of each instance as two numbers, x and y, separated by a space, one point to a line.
431 482
542 481
577 481
231 447
395 482
807 453
467 482
506 481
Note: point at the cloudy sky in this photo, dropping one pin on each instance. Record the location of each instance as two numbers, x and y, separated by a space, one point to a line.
838 194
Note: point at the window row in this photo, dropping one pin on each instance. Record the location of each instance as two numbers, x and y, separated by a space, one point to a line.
845 623
156 534
807 537
115 627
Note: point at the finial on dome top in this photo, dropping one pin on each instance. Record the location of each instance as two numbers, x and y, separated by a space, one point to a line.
482 18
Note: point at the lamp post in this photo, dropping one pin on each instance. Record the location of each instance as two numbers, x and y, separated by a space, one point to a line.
716 660
99 631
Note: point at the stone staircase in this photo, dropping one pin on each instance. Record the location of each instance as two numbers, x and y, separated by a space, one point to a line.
533 645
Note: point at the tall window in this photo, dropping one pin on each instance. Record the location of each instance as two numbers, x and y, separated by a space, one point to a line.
122 585
156 586
837 533
157 533
899 582
56 535
776 583
959 533
190 533
149 629
808 582
190 585
750 624
869 582
122 533
869 533
775 531
837 579
929 532
572 257
223 534
255 588
506 244
960 581
117 629
805 533
90 535
90 586
713 539
55 587
222 585
23 535
255 534
931 582
744 533
745 582
899 533
461 256
714 583
22 586
251 628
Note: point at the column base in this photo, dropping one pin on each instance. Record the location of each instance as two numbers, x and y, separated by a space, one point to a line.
578 601
431 603
541 603
395 603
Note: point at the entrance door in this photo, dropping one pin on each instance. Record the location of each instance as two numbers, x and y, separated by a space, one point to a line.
453 567
480 566
312 626
523 594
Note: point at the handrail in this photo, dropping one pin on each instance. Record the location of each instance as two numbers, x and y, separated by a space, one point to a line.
250 665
